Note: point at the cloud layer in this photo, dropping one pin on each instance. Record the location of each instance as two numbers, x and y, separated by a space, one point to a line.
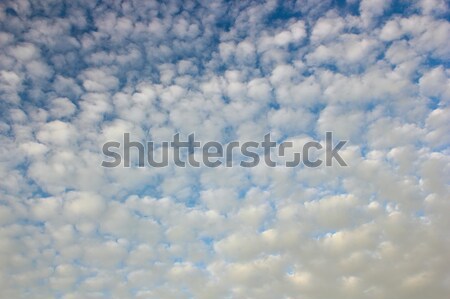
76 74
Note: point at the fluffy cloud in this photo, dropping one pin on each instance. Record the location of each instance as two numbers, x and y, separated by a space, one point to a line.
77 74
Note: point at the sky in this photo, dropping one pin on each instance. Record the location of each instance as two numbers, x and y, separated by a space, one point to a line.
77 74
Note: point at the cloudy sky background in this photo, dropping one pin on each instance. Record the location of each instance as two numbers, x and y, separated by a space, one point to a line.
75 74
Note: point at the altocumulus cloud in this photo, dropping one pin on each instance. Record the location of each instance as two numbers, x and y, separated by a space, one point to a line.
75 74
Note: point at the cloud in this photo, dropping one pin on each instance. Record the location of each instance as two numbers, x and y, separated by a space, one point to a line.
75 75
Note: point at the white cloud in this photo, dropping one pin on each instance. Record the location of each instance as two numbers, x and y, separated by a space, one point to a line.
76 75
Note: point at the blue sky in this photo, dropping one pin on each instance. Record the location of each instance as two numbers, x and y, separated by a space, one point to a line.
76 74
